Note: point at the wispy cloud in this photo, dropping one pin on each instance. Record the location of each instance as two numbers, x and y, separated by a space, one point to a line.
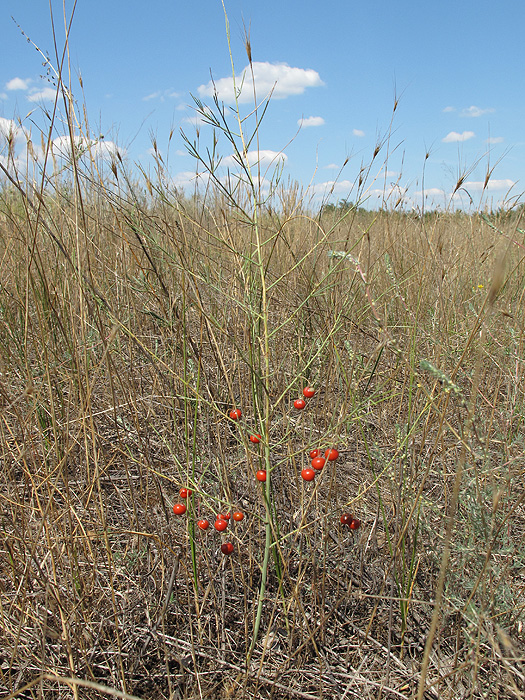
3 96
265 158
395 194
311 121
435 196
161 95
189 178
47 94
495 139
474 111
331 166
196 119
449 109
433 192
18 84
454 136
283 79
330 187
35 94
491 185
358 132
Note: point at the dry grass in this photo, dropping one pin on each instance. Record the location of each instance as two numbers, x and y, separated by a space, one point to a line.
132 319
117 371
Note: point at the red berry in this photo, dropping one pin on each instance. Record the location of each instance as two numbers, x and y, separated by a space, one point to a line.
227 548
318 462
331 454
235 413
346 519
203 524
308 474
223 516
261 475
299 404
315 453
184 493
308 392
179 508
221 524
238 516
355 524
255 439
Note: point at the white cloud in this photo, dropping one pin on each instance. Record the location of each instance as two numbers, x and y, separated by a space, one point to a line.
332 166
431 193
189 178
18 84
495 139
3 96
9 129
160 95
61 147
106 149
311 121
454 137
46 94
449 109
393 192
333 187
265 158
196 119
474 111
24 155
379 193
358 133
283 79
345 188
491 185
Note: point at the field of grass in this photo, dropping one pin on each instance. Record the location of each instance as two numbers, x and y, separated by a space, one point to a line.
132 319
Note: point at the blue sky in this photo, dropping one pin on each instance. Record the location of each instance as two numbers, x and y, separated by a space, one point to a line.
455 67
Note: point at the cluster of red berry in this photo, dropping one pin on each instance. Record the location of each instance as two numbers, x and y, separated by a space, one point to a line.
180 508
353 523
221 521
308 392
318 462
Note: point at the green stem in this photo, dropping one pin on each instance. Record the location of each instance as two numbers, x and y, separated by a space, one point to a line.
264 574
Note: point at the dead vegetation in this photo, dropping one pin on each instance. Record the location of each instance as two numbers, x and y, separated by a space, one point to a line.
129 327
